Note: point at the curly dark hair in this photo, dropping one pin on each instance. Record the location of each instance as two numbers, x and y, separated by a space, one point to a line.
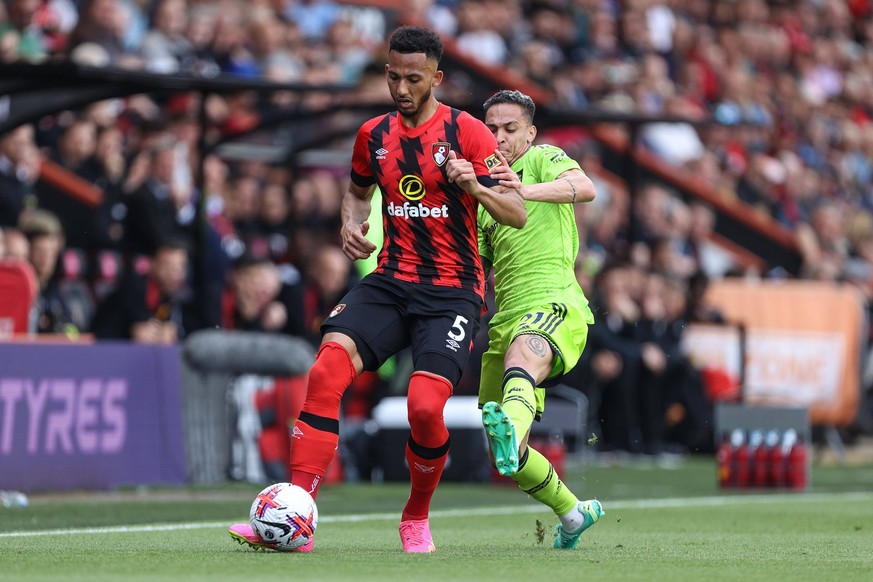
514 97
417 39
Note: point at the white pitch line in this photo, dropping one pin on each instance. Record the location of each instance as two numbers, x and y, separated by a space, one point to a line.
714 501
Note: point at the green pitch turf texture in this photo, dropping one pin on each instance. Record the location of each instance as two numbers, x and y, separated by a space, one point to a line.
661 524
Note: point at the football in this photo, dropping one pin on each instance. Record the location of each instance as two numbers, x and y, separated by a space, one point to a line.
285 516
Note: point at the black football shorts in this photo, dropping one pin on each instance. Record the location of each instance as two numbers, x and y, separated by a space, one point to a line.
388 315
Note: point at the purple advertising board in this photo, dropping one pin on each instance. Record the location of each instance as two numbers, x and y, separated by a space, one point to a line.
90 416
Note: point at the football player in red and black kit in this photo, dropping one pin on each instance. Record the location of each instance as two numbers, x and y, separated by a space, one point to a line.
431 163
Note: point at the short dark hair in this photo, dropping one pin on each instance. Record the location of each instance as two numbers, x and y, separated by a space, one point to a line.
248 259
416 39
172 243
516 98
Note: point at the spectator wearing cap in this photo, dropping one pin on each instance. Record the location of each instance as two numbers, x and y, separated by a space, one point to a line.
64 306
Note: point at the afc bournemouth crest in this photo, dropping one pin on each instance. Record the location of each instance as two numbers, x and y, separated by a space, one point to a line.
440 151
337 310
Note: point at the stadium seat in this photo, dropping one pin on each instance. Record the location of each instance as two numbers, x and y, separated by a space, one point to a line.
106 273
75 286
141 264
18 291
74 265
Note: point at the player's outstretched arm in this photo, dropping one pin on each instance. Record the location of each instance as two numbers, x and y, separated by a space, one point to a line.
355 211
506 207
571 187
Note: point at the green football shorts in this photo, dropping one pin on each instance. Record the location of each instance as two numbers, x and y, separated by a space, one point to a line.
563 325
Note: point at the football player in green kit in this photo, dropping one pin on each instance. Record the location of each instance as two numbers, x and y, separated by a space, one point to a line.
541 324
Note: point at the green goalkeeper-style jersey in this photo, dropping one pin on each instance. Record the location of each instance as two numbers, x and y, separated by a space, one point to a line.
534 265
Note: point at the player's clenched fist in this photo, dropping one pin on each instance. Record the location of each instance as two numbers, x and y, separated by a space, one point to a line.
461 172
355 244
504 174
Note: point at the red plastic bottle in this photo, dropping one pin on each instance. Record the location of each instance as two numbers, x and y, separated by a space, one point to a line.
741 459
759 459
796 476
723 461
776 461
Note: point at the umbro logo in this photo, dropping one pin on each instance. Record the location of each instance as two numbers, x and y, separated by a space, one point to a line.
315 483
453 345
424 468
296 433
380 153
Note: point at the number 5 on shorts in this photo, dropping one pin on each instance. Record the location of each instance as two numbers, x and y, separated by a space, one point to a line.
461 333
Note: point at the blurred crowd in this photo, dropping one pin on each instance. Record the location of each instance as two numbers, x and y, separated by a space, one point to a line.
787 83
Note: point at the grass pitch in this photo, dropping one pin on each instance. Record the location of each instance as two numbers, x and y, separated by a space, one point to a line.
660 524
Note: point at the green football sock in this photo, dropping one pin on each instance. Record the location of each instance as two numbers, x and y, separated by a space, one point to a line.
519 402
537 477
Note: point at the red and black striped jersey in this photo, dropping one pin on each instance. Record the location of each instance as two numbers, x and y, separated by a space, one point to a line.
429 223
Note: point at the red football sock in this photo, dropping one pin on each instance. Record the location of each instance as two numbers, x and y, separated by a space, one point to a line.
424 476
428 446
311 452
315 436
330 375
